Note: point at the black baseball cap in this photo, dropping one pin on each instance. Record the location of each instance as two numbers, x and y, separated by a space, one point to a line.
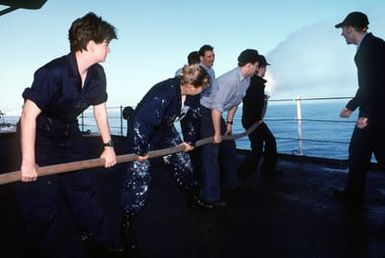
354 19
262 61
248 56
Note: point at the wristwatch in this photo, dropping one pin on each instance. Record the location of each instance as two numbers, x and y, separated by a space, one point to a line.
110 143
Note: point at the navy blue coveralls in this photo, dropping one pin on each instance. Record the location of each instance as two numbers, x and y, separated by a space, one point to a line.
152 127
370 98
262 140
57 91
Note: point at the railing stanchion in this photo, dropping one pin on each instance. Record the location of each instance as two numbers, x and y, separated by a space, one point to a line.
82 118
121 120
299 125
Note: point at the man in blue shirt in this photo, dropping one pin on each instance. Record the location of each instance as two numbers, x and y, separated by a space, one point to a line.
218 158
207 58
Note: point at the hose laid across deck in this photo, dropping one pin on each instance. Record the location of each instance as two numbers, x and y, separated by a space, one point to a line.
98 162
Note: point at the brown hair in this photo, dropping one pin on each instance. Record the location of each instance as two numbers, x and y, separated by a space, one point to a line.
87 28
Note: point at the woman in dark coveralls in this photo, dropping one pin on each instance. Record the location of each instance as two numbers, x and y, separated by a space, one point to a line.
61 90
152 127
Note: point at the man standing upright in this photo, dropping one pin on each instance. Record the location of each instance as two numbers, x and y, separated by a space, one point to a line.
368 135
207 57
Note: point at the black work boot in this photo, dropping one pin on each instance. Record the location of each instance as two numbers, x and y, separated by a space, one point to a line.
127 234
101 251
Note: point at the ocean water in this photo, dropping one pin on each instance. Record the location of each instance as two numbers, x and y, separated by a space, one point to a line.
324 133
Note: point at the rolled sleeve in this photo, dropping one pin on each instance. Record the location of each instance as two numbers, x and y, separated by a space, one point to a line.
42 90
99 85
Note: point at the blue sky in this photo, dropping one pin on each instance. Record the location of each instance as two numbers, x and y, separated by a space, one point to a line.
308 56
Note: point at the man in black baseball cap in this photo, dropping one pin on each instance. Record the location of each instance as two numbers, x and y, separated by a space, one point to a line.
262 61
368 136
248 56
262 141
354 27
354 19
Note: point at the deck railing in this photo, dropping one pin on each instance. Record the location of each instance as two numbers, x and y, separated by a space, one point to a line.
297 132
118 124
313 126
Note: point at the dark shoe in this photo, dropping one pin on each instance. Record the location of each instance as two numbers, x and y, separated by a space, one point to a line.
112 252
126 234
349 200
97 251
198 203
219 204
272 173
340 194
244 186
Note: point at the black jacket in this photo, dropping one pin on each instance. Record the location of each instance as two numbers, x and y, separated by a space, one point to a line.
253 102
370 96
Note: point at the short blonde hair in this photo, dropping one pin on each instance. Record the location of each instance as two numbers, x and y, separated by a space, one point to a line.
195 75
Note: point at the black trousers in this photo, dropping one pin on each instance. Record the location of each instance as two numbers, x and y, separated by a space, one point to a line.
363 144
263 144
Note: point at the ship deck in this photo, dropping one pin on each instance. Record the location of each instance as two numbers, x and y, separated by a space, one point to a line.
292 215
